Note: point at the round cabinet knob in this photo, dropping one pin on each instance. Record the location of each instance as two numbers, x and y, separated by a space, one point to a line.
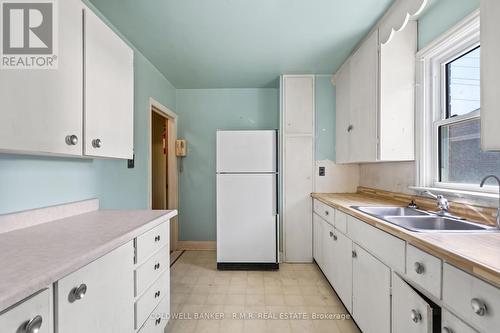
419 268
335 237
71 140
34 325
478 307
415 316
447 330
158 321
331 234
97 143
350 128
78 292
354 254
327 213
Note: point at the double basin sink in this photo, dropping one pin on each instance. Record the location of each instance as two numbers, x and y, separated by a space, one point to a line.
422 221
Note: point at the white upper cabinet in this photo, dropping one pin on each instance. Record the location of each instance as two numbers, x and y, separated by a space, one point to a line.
109 91
298 101
39 108
490 73
375 100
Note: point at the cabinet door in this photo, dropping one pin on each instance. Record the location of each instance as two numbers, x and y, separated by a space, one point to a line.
371 297
109 91
342 263
298 104
36 311
363 101
343 110
108 303
410 312
328 249
297 188
318 240
40 108
451 324
490 72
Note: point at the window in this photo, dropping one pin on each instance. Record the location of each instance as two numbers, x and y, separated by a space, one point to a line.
448 119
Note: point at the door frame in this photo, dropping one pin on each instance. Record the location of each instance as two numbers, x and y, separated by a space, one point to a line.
172 175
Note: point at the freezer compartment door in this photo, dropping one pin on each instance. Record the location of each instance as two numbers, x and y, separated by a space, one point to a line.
246 218
246 151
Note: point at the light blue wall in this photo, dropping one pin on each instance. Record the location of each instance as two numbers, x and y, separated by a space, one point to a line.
325 118
441 16
29 181
201 112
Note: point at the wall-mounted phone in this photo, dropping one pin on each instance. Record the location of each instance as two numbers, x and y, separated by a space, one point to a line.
180 151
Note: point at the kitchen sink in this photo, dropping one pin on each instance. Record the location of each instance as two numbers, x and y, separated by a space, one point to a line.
391 211
422 221
436 223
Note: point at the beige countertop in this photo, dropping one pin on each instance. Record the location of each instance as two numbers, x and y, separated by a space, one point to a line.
476 253
34 257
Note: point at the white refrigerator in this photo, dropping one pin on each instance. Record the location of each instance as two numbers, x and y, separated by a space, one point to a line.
247 199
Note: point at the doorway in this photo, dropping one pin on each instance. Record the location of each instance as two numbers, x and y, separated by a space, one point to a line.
163 166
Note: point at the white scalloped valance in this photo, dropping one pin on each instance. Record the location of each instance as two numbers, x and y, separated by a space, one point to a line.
398 16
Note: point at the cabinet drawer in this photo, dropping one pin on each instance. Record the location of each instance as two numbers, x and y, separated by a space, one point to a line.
389 249
325 211
341 221
151 241
148 301
451 324
410 312
471 298
32 309
151 270
424 269
158 319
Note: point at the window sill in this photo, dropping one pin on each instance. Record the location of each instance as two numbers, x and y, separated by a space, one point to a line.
462 196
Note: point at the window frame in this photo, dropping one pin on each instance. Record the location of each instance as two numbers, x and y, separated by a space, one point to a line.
431 100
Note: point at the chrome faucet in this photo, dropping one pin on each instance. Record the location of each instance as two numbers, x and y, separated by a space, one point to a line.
441 202
498 209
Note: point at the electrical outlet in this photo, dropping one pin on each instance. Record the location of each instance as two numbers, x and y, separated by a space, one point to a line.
322 171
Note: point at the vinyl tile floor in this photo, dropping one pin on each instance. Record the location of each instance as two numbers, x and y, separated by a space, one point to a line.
296 298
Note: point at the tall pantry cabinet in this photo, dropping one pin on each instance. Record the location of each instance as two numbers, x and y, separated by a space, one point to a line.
297 149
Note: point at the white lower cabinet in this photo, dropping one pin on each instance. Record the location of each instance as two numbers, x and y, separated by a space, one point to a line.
31 315
98 297
157 321
341 265
318 239
371 292
328 250
410 312
451 324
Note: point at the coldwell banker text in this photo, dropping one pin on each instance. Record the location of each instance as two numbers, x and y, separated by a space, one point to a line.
29 34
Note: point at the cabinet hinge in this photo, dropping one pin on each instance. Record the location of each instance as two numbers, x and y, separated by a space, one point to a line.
135 251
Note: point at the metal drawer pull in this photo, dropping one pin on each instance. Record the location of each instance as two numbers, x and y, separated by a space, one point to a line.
157 266
157 294
157 238
331 234
71 140
419 268
335 237
327 213
97 143
78 293
33 326
158 321
447 330
478 307
415 316
354 254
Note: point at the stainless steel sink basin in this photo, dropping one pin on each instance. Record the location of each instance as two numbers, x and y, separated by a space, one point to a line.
436 223
391 211
421 221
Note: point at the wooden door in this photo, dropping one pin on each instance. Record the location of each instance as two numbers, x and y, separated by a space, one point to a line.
363 101
342 263
109 91
371 292
410 312
40 108
158 161
108 303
